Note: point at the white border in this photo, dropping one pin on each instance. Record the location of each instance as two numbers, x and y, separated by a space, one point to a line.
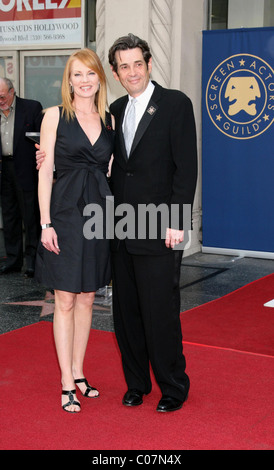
240 253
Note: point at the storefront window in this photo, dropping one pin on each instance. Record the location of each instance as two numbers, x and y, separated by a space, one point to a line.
227 14
218 13
43 76
91 24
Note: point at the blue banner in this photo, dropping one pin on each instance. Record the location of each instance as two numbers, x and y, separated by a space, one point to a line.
238 140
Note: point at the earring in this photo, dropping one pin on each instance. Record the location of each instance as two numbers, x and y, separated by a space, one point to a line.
71 88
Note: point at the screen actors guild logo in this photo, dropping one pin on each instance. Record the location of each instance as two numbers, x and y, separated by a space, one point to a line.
240 96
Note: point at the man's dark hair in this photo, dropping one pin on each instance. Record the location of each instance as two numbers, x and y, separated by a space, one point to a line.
128 42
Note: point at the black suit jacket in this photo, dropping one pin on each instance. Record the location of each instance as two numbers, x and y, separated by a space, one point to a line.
28 118
162 166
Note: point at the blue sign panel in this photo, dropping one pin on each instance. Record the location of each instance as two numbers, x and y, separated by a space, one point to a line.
238 139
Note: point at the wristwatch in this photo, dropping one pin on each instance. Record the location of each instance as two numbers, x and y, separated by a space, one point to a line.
46 226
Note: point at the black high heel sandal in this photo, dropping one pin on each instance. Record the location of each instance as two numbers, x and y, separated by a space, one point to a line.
88 389
71 401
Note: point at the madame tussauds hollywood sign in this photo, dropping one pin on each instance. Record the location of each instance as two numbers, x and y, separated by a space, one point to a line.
32 5
38 22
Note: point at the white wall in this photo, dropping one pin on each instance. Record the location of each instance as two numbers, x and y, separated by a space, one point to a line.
173 29
194 21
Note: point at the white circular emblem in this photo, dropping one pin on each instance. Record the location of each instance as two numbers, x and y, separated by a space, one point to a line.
240 96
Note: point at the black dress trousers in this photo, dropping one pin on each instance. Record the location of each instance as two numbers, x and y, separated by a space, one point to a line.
147 324
19 211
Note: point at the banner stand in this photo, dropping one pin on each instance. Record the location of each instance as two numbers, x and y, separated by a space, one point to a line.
238 253
238 142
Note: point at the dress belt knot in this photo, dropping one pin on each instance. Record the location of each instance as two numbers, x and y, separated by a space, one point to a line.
103 187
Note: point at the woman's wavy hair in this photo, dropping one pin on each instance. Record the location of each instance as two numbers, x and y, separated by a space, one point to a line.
92 61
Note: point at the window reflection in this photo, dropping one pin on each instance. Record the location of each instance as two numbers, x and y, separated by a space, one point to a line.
43 78
218 14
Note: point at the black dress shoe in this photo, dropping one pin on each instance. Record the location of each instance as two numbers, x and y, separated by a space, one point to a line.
29 272
9 269
169 404
133 398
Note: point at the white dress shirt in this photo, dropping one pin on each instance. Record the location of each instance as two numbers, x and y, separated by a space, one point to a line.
141 103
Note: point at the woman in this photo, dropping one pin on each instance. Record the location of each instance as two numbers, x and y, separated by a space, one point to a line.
77 138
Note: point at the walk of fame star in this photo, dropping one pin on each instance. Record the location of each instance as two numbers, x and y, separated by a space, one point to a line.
47 304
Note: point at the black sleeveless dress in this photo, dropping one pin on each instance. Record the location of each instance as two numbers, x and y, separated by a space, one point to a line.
83 264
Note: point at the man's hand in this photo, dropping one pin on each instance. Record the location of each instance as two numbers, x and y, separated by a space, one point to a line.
40 157
173 237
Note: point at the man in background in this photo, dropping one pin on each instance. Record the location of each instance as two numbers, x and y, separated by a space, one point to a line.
18 178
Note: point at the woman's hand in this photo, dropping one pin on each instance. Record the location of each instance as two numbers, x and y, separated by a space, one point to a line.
49 240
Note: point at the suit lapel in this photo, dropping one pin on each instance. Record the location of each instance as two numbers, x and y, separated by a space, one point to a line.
144 123
147 117
18 121
150 112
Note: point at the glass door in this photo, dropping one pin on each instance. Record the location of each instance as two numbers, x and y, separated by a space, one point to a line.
41 75
9 66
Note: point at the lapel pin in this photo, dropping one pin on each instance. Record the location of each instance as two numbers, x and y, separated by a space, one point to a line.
151 110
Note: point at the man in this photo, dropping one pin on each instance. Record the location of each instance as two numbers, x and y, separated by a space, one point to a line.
159 167
18 182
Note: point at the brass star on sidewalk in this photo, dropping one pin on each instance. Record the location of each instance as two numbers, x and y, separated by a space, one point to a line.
47 304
